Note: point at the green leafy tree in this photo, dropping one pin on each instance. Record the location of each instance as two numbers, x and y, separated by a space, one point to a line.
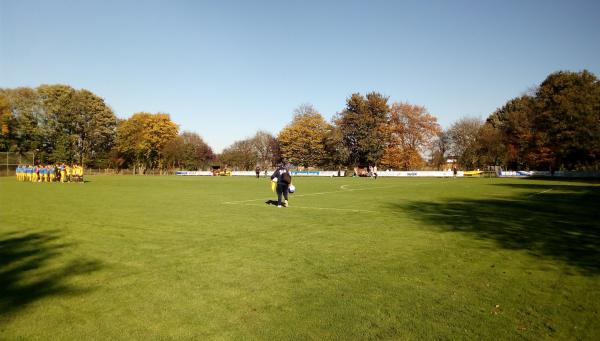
567 120
6 124
557 126
25 124
514 121
76 125
490 147
57 123
94 127
336 152
363 126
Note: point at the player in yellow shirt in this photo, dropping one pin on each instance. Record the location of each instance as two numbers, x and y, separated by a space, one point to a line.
42 174
69 171
75 170
36 172
81 173
63 172
52 173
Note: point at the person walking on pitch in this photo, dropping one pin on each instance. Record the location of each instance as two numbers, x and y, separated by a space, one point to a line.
283 179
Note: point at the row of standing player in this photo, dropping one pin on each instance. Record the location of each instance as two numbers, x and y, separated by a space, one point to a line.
50 173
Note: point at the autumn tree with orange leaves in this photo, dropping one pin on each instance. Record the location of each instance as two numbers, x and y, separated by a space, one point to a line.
410 131
142 137
302 142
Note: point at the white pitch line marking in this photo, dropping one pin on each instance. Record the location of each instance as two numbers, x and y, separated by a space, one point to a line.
309 208
247 202
243 201
506 199
313 194
444 215
542 192
341 209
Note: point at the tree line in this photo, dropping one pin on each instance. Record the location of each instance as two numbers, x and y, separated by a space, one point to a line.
61 124
554 126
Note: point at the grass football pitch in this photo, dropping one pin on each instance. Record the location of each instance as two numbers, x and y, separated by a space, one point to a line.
208 258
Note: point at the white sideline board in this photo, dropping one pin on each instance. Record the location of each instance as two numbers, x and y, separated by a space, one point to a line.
332 173
269 172
293 173
194 173
420 173
557 174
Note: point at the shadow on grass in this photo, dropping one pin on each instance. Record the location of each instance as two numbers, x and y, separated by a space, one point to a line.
29 270
271 202
554 221
589 181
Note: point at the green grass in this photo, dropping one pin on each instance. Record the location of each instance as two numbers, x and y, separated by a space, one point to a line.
207 258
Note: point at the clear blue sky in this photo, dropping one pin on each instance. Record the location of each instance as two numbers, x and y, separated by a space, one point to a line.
225 69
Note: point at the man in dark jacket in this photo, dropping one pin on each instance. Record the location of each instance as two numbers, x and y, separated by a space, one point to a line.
284 178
